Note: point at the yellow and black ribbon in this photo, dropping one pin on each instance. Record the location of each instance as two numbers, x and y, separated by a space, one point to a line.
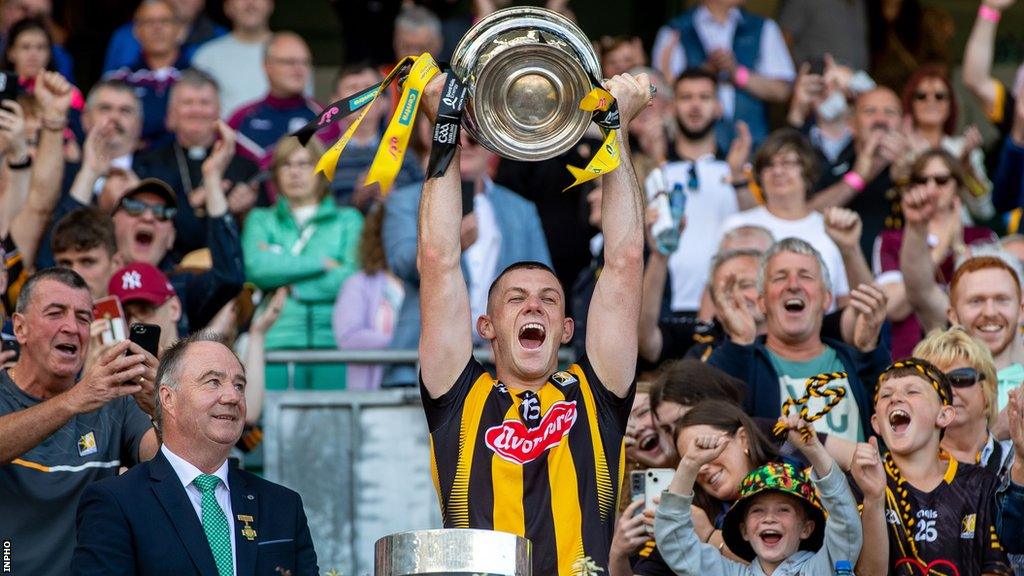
418 70
816 387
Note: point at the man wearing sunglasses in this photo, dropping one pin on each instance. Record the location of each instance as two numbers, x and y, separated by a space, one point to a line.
145 232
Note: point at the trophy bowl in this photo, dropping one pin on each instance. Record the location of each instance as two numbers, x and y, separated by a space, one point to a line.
452 552
526 70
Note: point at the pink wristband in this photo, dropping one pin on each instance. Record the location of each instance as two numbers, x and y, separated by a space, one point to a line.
742 76
990 14
855 181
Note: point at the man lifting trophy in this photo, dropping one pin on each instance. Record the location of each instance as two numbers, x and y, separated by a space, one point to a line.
530 450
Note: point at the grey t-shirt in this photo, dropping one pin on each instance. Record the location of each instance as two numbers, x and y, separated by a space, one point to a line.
39 490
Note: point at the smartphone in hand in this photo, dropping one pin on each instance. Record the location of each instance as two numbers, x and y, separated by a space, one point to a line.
147 336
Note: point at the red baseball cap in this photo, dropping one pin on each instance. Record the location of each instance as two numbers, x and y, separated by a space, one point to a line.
141 282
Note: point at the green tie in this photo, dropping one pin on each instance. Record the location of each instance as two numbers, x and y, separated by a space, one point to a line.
215 524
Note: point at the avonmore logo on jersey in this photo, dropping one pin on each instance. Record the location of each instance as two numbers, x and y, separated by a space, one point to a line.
513 442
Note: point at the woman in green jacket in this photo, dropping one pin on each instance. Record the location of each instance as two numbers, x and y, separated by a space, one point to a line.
310 245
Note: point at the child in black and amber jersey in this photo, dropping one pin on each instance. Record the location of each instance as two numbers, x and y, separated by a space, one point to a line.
940 513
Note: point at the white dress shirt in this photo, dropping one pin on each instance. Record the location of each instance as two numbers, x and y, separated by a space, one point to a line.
187 473
707 207
482 256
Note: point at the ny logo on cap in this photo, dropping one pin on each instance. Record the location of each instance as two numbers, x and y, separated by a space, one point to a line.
131 280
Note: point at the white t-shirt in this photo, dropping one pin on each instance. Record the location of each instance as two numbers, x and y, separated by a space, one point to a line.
238 69
810 229
707 207
773 60
482 256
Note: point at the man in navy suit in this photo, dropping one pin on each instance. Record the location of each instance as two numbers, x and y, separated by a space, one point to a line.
187 512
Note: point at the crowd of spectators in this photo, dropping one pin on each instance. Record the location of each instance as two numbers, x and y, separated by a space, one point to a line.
839 216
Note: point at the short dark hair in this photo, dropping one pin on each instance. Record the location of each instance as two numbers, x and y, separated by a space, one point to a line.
788 139
689 381
356 68
696 74
83 229
65 276
524 265
169 372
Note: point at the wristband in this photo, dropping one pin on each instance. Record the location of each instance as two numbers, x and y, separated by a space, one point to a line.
855 181
26 163
990 14
742 76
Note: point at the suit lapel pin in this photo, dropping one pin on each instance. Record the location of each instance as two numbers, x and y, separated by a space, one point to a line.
247 530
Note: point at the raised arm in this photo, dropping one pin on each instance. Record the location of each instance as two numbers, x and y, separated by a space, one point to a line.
926 298
869 474
613 318
13 147
54 95
655 275
977 68
445 332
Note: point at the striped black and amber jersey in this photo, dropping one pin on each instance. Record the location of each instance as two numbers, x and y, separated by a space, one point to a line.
546 465
948 531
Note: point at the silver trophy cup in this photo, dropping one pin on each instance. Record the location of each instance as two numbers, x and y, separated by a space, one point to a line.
452 553
526 70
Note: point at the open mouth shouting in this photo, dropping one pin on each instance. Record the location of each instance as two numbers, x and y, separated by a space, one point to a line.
794 305
67 349
770 537
144 238
531 335
899 421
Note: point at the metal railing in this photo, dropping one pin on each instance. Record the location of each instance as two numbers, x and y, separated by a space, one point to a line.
292 358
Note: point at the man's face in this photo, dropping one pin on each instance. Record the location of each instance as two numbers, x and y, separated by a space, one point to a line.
622 59
157 29
288 65
988 306
526 323
794 298
744 270
249 14
192 113
207 408
95 265
121 108
415 41
142 237
908 414
774 525
876 111
354 83
54 330
697 107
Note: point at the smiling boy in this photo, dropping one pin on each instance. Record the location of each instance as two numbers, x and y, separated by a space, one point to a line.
940 513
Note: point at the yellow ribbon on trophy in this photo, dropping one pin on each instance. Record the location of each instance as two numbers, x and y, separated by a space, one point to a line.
607 157
388 160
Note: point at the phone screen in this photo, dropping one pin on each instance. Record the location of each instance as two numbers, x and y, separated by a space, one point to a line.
146 336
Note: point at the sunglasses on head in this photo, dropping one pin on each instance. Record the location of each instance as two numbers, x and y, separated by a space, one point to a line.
938 96
940 180
964 377
137 208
